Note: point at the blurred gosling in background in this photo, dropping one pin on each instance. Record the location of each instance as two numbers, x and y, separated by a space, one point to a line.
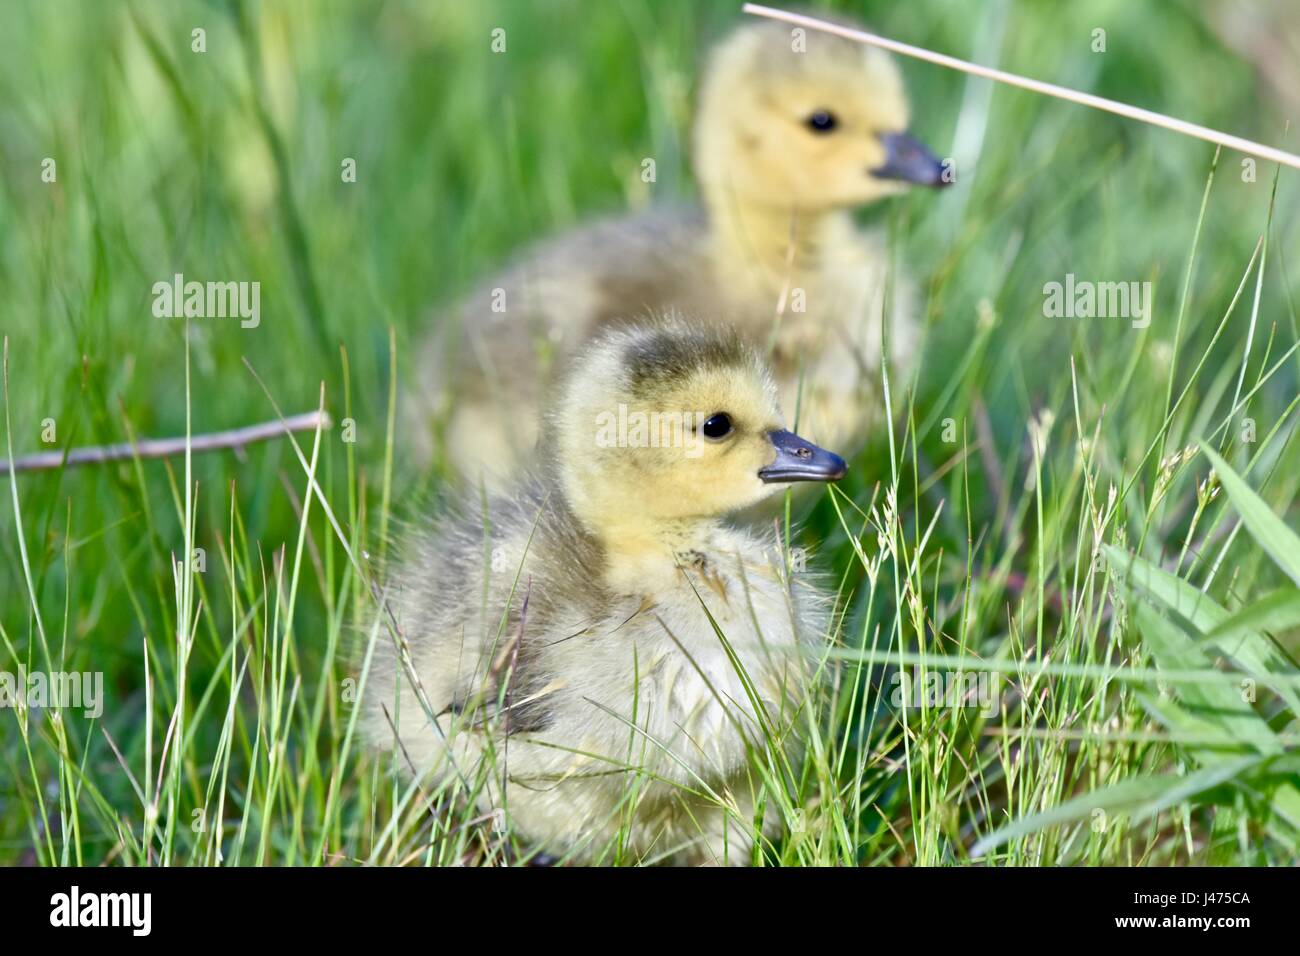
791 134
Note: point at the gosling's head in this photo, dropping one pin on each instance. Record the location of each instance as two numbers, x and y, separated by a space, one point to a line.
809 120
673 421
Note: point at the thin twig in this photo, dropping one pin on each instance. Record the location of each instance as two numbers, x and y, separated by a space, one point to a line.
1037 86
166 447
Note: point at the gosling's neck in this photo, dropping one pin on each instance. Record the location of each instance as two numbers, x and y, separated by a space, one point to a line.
775 245
642 556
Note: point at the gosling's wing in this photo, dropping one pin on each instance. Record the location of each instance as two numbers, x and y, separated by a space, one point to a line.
450 605
482 594
505 336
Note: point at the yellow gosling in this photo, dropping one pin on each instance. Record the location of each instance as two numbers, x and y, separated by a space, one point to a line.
566 639
788 141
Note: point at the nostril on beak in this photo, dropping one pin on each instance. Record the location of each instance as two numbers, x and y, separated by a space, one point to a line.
798 460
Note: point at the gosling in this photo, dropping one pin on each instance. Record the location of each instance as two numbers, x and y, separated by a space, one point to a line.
790 136
563 642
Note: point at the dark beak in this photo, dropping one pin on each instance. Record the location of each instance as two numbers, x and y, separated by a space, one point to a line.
907 159
800 460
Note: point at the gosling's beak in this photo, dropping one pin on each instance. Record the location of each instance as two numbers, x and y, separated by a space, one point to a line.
908 159
800 460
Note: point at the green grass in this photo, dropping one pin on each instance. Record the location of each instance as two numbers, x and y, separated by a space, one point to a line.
1032 513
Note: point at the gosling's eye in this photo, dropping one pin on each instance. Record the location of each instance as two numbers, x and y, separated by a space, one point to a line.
718 426
822 121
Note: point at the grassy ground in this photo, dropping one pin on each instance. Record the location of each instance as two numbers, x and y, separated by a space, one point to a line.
1031 516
